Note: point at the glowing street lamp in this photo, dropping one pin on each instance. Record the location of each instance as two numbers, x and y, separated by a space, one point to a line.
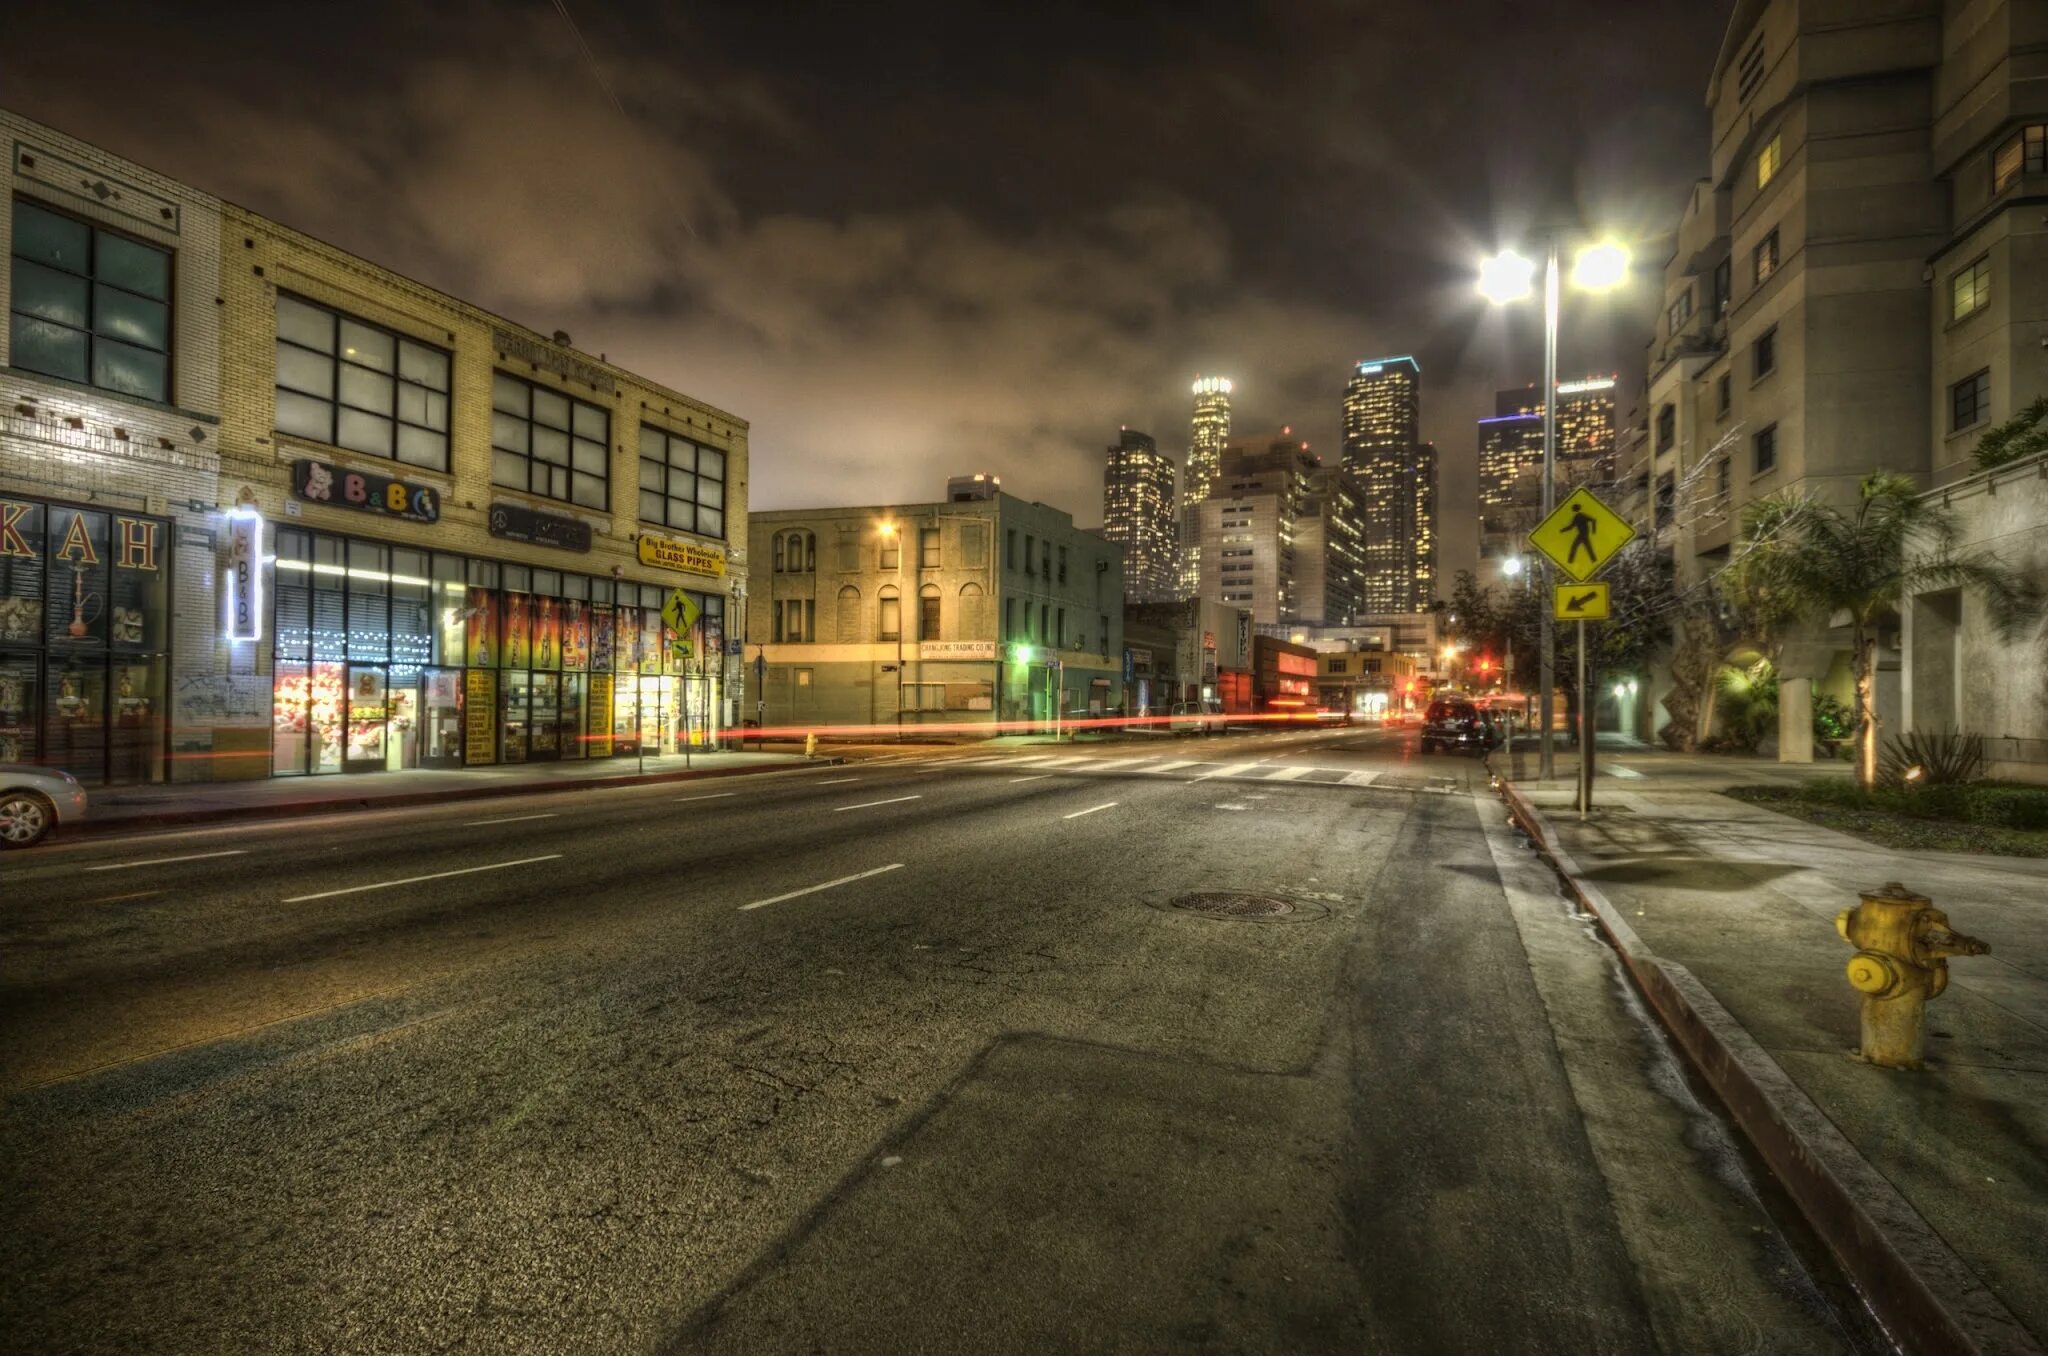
1506 278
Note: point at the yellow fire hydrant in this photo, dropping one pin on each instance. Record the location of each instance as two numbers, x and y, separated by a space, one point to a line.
810 746
1902 947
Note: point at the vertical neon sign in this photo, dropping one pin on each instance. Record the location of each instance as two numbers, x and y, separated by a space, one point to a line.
245 573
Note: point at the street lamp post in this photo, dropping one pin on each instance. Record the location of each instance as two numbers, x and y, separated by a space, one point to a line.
1505 278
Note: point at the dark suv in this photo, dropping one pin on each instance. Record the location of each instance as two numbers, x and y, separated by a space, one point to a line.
1455 724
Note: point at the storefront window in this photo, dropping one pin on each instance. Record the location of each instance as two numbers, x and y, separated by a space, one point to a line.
84 621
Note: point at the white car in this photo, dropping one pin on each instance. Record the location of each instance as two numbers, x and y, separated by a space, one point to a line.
34 801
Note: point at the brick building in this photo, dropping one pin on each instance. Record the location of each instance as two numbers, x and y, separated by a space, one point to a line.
398 531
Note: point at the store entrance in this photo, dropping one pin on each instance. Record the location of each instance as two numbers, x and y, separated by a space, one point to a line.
367 721
441 719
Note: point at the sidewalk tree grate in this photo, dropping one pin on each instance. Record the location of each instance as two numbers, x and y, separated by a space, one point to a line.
1228 904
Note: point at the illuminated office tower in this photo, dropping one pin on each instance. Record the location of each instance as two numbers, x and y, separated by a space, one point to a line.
1396 475
1208 433
1511 457
1138 515
1585 426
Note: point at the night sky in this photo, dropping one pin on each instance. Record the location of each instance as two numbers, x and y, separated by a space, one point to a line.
909 241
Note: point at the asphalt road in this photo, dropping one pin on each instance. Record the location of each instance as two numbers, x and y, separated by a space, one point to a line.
916 1054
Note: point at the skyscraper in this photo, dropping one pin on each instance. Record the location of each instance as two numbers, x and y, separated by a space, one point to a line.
1246 527
1137 514
1207 434
1396 474
1511 456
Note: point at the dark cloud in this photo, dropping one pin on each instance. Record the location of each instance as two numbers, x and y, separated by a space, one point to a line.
907 241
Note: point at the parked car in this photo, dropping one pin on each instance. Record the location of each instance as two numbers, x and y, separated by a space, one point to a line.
1456 724
35 801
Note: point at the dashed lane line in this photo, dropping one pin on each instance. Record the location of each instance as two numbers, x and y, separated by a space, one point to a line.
813 889
715 795
870 804
510 819
166 861
414 880
1106 805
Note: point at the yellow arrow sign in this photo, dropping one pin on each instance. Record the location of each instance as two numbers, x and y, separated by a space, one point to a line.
1581 535
1581 602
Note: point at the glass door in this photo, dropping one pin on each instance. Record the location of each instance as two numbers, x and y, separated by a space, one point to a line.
368 719
545 743
441 720
572 716
512 717
402 744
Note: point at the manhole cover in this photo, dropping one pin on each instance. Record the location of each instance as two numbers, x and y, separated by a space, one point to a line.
1225 904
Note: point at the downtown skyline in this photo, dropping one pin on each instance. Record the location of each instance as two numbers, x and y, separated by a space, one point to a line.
739 236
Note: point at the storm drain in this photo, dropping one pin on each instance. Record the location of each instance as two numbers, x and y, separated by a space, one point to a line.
1226 904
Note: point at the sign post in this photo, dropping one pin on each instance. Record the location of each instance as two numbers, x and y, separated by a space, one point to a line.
1580 537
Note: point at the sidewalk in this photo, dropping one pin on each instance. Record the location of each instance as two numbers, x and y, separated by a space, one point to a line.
128 807
1745 901
1621 763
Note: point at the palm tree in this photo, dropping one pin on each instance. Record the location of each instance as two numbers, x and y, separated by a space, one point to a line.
1803 559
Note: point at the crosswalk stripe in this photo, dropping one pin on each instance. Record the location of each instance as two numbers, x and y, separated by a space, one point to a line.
1234 770
1287 774
1172 767
1358 778
1034 758
1623 772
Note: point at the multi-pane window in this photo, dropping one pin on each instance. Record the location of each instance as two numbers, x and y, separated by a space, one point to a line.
682 484
928 548
1681 310
1969 400
1765 256
796 552
2024 152
548 443
890 616
796 620
1766 450
1764 353
1970 290
1769 159
360 386
891 555
928 612
89 305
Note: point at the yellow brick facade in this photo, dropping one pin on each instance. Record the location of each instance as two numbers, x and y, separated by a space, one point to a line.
262 257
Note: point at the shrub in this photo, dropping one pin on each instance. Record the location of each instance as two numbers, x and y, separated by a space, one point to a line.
1945 758
1936 800
2009 807
1833 721
1835 791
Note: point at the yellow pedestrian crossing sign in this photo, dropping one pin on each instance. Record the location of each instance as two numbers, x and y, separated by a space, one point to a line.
1581 535
1581 602
679 614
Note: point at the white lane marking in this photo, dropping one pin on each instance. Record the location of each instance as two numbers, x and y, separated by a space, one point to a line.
715 795
1068 761
510 819
1359 778
1039 778
838 781
813 889
1171 767
1288 774
1106 805
970 762
868 804
414 880
1229 770
1623 771
1233 807
1034 758
165 861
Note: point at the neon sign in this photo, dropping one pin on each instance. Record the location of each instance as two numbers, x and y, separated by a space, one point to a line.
245 573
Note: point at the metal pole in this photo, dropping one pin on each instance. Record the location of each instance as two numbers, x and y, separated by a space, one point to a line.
1585 732
1545 764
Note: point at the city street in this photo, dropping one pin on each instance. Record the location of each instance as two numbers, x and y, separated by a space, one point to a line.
922 1052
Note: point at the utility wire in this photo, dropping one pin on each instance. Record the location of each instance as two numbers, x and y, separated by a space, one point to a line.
604 83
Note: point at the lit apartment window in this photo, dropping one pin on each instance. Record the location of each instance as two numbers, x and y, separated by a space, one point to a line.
682 484
547 443
1765 446
1681 310
355 385
1764 354
1969 400
1724 395
1765 256
1768 160
1970 290
89 305
1667 427
2024 152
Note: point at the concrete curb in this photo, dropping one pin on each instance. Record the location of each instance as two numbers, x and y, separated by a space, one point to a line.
1925 1295
293 809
